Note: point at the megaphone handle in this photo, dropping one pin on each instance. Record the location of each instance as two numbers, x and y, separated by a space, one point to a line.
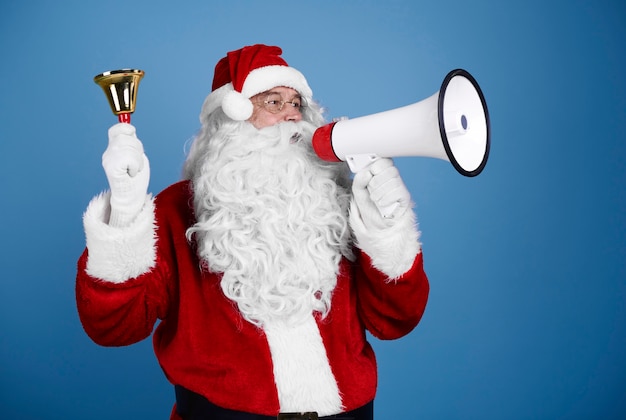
359 163
124 117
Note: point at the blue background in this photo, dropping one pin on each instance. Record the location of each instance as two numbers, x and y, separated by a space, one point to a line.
527 262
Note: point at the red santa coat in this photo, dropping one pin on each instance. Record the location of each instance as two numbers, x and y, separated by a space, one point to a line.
203 343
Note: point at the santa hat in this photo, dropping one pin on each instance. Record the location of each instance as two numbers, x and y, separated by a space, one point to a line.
246 72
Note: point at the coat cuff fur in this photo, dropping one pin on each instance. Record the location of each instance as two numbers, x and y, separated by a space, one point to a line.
392 248
118 254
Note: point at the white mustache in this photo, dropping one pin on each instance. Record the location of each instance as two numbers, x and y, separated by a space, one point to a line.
294 131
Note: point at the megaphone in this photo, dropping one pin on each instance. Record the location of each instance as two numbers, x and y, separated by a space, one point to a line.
452 124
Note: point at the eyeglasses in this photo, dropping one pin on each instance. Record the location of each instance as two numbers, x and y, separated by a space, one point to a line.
274 103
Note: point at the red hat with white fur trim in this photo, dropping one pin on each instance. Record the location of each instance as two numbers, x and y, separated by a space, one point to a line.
246 72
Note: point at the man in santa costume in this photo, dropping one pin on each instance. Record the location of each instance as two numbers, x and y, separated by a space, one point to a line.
265 265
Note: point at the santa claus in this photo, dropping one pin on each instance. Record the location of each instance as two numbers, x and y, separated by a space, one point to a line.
265 265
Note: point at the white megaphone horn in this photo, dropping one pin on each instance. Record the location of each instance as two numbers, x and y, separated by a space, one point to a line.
452 124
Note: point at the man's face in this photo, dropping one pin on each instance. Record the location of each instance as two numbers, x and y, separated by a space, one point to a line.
265 103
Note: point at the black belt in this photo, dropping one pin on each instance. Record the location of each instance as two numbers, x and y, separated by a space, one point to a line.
192 406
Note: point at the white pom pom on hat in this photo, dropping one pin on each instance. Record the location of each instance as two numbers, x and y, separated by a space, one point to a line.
249 71
237 106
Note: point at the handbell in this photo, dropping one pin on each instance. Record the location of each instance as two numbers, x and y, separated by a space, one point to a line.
120 88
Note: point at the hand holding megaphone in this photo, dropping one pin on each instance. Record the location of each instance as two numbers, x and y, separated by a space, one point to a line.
363 166
380 184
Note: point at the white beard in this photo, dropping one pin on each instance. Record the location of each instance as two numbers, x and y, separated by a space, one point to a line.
272 218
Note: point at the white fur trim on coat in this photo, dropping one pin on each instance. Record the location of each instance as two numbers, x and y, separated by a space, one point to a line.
119 254
302 372
392 248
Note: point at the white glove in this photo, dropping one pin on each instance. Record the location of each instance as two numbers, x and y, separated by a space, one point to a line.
128 172
384 226
380 194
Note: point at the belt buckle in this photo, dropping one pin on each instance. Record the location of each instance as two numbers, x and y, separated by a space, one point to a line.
310 415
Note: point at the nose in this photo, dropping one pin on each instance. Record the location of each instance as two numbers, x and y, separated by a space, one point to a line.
292 114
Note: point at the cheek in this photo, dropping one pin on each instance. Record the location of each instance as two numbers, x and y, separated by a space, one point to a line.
261 118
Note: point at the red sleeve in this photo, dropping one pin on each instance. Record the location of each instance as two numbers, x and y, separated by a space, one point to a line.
118 314
389 308
123 313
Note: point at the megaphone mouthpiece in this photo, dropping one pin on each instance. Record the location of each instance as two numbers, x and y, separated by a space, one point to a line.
323 145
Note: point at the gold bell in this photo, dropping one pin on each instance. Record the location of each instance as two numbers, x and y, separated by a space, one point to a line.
120 88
